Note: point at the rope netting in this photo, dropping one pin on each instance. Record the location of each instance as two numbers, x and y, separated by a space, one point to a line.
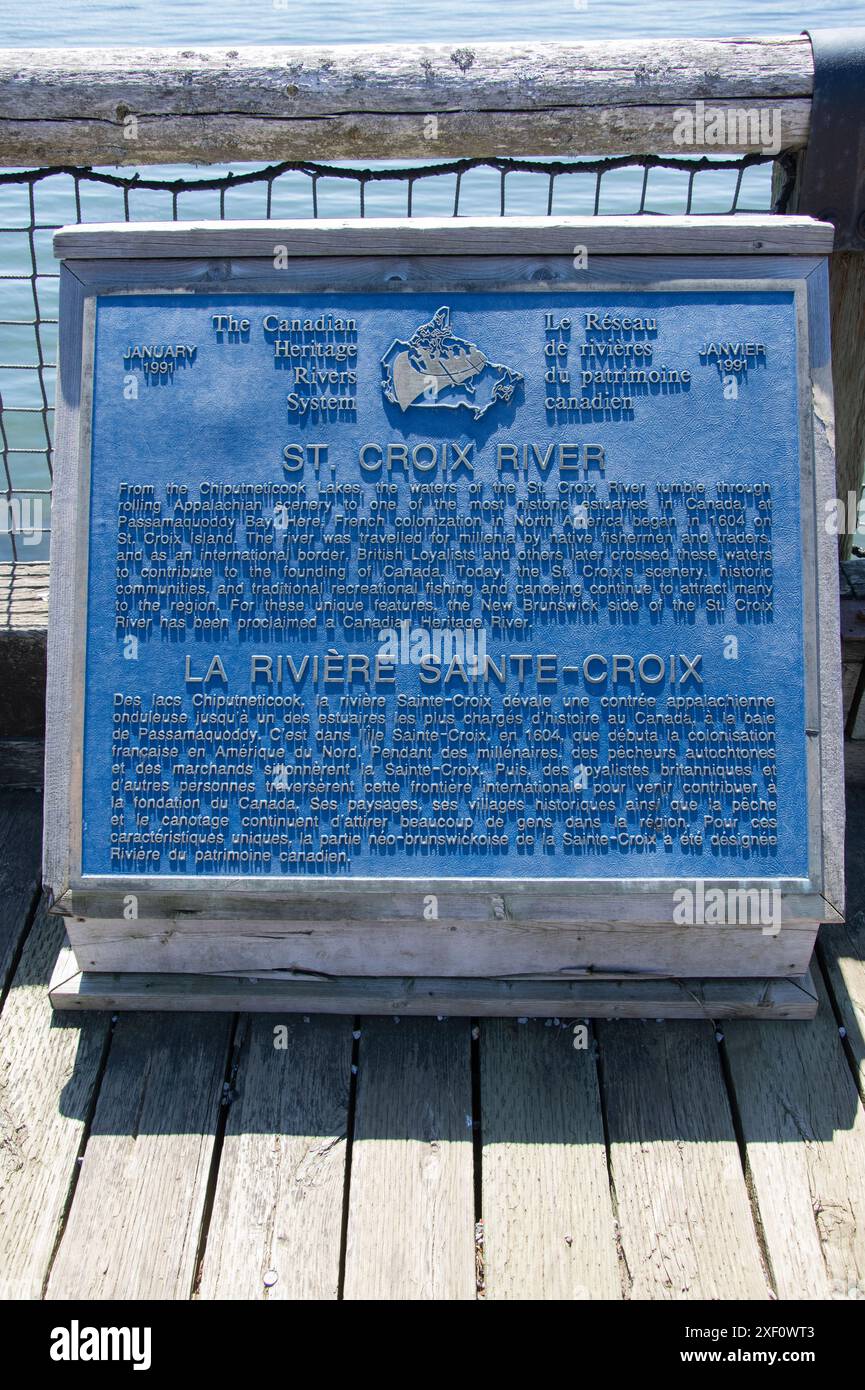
35 202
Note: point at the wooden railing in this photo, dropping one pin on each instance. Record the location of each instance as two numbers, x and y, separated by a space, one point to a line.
110 106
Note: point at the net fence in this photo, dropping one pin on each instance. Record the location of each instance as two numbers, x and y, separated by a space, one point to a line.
35 202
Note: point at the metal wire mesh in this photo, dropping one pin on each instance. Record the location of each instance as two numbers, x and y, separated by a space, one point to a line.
33 203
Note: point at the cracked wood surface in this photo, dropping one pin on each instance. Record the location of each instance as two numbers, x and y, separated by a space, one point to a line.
100 106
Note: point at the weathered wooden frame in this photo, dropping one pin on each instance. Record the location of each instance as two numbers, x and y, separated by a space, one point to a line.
492 927
641 997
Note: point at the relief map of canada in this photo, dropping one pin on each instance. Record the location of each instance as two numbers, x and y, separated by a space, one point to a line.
436 368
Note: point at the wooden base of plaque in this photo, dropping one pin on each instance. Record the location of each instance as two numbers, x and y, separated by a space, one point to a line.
635 996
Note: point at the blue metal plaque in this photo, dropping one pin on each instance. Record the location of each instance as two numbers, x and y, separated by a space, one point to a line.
477 585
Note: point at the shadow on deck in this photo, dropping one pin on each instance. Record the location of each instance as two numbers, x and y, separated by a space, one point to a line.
262 1156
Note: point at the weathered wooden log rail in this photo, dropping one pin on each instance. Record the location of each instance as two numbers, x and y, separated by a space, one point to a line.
116 106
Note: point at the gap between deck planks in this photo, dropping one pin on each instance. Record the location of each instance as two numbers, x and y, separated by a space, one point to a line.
20 873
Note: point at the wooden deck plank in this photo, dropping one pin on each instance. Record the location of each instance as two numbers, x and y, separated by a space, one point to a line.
841 947
133 1227
411 1205
20 853
841 952
549 1229
275 1230
48 1074
804 1128
23 594
686 1226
